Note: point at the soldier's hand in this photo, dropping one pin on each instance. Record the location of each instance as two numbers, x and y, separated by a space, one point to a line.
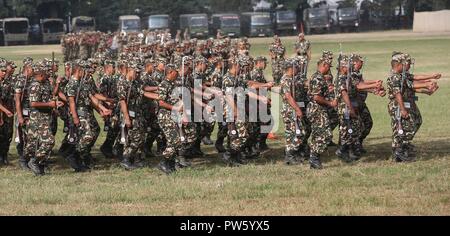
404 113
209 109
352 113
185 120
20 120
270 84
128 123
331 88
437 76
9 114
59 104
76 121
333 103
299 113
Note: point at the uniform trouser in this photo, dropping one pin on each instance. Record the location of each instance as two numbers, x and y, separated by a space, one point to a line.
354 125
172 134
367 122
320 131
136 137
208 128
222 131
23 132
238 141
408 126
333 117
88 132
294 141
417 118
6 134
277 72
40 138
54 123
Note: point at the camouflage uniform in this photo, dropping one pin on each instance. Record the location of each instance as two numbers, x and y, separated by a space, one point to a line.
279 52
40 139
396 83
296 140
89 129
318 116
6 130
302 48
364 111
216 80
132 92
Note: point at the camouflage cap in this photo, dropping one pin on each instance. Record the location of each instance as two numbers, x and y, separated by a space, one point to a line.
288 64
344 61
170 67
408 58
245 61
3 64
201 59
68 64
82 63
109 63
261 58
122 63
162 60
327 54
39 67
356 57
324 60
27 61
397 57
135 65
149 61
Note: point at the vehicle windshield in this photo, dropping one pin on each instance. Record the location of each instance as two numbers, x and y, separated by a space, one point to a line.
230 22
131 25
198 21
286 16
261 20
84 23
318 13
16 27
53 27
158 22
347 12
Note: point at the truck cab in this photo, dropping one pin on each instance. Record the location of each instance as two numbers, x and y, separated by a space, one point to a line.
256 24
15 31
317 20
348 19
285 22
228 24
196 24
157 22
83 23
129 24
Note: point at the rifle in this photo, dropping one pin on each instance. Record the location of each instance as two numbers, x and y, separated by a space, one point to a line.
180 122
123 127
398 114
73 136
347 117
298 130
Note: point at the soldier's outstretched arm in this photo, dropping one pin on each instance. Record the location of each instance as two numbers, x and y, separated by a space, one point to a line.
102 98
6 111
369 86
427 77
293 104
322 101
152 96
151 88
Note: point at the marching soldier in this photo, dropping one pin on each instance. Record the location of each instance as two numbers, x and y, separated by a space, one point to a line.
317 113
303 47
277 54
40 138
22 102
7 98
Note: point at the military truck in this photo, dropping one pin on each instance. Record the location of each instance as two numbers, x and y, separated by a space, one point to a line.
196 24
129 24
256 24
285 22
83 23
348 19
51 30
228 24
15 31
317 20
157 22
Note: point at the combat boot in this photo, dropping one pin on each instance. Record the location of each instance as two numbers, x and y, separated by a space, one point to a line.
126 163
314 161
290 158
181 161
148 147
35 167
207 141
343 153
263 146
400 155
240 158
228 157
354 154
63 149
86 162
23 163
167 166
302 154
139 162
196 149
219 145
106 150
5 159
74 162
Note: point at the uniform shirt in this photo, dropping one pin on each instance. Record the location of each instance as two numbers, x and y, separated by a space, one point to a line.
22 86
158 76
302 47
216 78
108 85
85 86
317 86
357 75
349 85
7 95
165 93
278 51
258 76
396 84
41 92
132 92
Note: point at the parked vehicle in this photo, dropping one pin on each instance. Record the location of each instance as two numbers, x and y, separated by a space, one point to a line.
157 22
317 20
52 30
196 24
228 24
285 22
129 23
348 19
15 31
256 24
83 23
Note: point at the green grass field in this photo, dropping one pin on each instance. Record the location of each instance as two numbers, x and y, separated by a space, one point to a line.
373 186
